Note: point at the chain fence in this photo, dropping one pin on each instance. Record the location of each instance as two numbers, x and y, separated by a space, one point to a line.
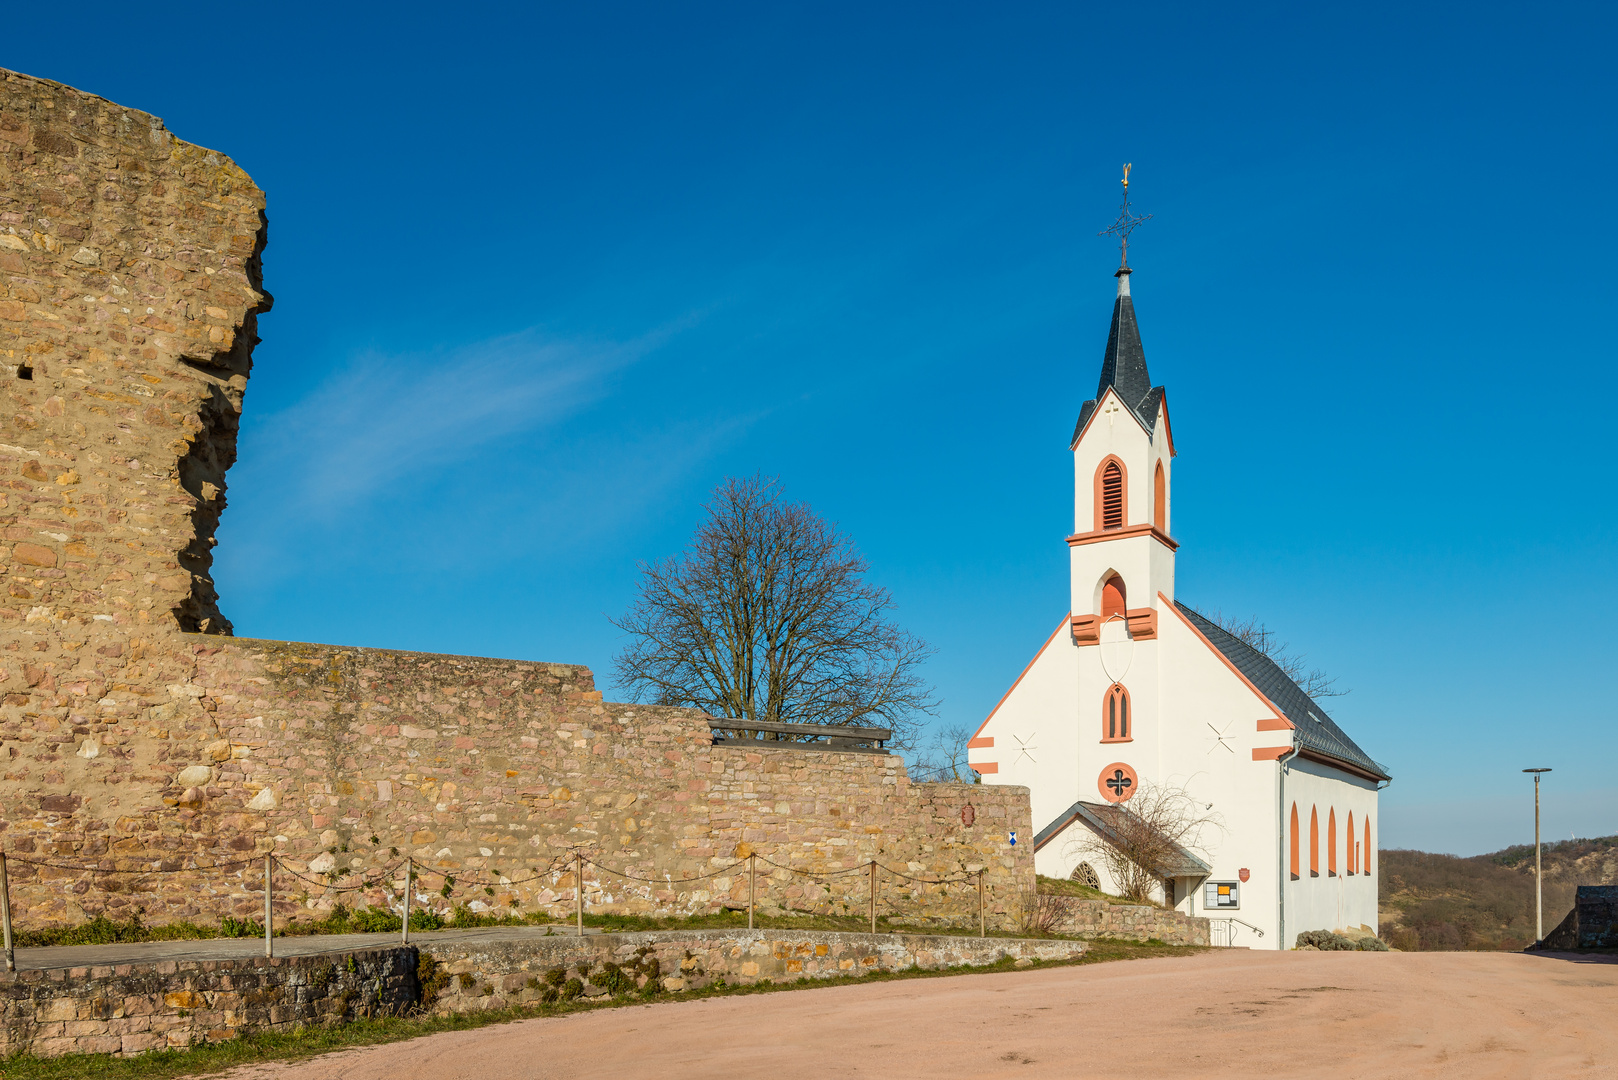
573 861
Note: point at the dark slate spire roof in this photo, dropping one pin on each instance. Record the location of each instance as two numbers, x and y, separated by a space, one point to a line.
1123 367
1315 730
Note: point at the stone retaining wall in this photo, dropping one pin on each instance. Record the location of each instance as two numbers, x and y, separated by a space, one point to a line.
497 974
1127 922
130 1008
126 1009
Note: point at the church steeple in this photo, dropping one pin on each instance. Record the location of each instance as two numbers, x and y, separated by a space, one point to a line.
1123 366
1124 363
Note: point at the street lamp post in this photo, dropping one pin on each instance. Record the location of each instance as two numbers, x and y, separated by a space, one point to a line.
1539 884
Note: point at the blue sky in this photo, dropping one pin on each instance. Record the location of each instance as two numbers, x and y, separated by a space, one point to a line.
545 274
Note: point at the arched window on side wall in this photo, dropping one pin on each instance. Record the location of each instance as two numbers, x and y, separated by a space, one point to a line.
1314 842
1110 508
1160 499
1331 842
1114 599
1348 856
1293 861
1115 715
1365 852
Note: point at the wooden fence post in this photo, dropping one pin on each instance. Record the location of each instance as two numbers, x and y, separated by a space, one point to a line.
269 925
578 890
404 923
5 913
752 889
981 928
873 896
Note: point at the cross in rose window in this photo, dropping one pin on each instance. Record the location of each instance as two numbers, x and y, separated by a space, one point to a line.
1119 783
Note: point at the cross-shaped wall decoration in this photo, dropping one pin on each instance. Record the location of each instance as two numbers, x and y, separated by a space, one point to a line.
1119 783
1026 748
1221 738
1111 412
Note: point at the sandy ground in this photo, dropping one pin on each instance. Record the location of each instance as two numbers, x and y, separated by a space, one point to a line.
1235 1013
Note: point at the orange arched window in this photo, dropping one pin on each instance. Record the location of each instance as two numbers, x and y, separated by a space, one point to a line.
1293 862
1351 838
1365 860
1111 511
1115 714
1113 599
1160 500
1314 842
1331 842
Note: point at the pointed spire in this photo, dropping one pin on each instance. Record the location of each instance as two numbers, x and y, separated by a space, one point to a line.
1124 365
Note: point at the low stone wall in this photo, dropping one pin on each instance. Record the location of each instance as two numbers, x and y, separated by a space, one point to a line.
1127 922
495 974
126 1009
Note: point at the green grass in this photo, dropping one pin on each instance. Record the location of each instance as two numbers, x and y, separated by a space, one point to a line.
309 1042
104 931
1062 887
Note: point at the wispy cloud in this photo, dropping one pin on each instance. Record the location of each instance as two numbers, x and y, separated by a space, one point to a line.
385 418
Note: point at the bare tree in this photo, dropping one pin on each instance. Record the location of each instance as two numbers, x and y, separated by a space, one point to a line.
943 758
1312 681
1142 839
767 616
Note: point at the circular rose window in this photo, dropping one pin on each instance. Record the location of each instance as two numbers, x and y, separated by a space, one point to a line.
1117 782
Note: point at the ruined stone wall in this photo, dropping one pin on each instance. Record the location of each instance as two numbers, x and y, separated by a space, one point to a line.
344 761
129 263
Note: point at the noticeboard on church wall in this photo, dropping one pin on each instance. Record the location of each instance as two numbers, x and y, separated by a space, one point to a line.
1222 896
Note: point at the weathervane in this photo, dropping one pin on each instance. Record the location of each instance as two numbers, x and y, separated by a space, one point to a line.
1126 224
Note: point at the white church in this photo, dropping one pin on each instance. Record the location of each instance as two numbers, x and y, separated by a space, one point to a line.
1134 691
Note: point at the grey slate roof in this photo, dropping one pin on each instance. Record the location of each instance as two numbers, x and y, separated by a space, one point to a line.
1316 730
1123 368
1099 817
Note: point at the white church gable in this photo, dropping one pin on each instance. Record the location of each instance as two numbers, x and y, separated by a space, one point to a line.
1133 691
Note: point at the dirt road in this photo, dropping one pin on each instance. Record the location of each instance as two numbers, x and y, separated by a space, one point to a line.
1296 1015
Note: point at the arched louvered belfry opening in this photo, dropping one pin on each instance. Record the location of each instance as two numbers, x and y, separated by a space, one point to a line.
1115 715
1112 509
1314 842
1160 499
1293 861
1331 842
1349 861
1114 599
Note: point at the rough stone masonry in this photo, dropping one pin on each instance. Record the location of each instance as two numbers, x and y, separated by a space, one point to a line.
139 737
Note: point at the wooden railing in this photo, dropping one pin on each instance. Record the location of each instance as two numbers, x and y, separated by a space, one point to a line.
765 735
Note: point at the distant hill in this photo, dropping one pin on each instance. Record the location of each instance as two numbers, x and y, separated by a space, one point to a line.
1444 902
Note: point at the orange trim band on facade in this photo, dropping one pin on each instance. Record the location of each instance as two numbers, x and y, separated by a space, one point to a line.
1279 717
1147 529
977 744
1274 723
1270 753
983 768
1087 628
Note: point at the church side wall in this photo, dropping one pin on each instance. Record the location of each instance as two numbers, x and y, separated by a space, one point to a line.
1329 902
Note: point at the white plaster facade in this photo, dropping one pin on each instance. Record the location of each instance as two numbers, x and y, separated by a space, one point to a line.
1198 718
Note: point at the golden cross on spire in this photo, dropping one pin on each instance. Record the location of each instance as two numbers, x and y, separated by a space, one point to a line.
1126 224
